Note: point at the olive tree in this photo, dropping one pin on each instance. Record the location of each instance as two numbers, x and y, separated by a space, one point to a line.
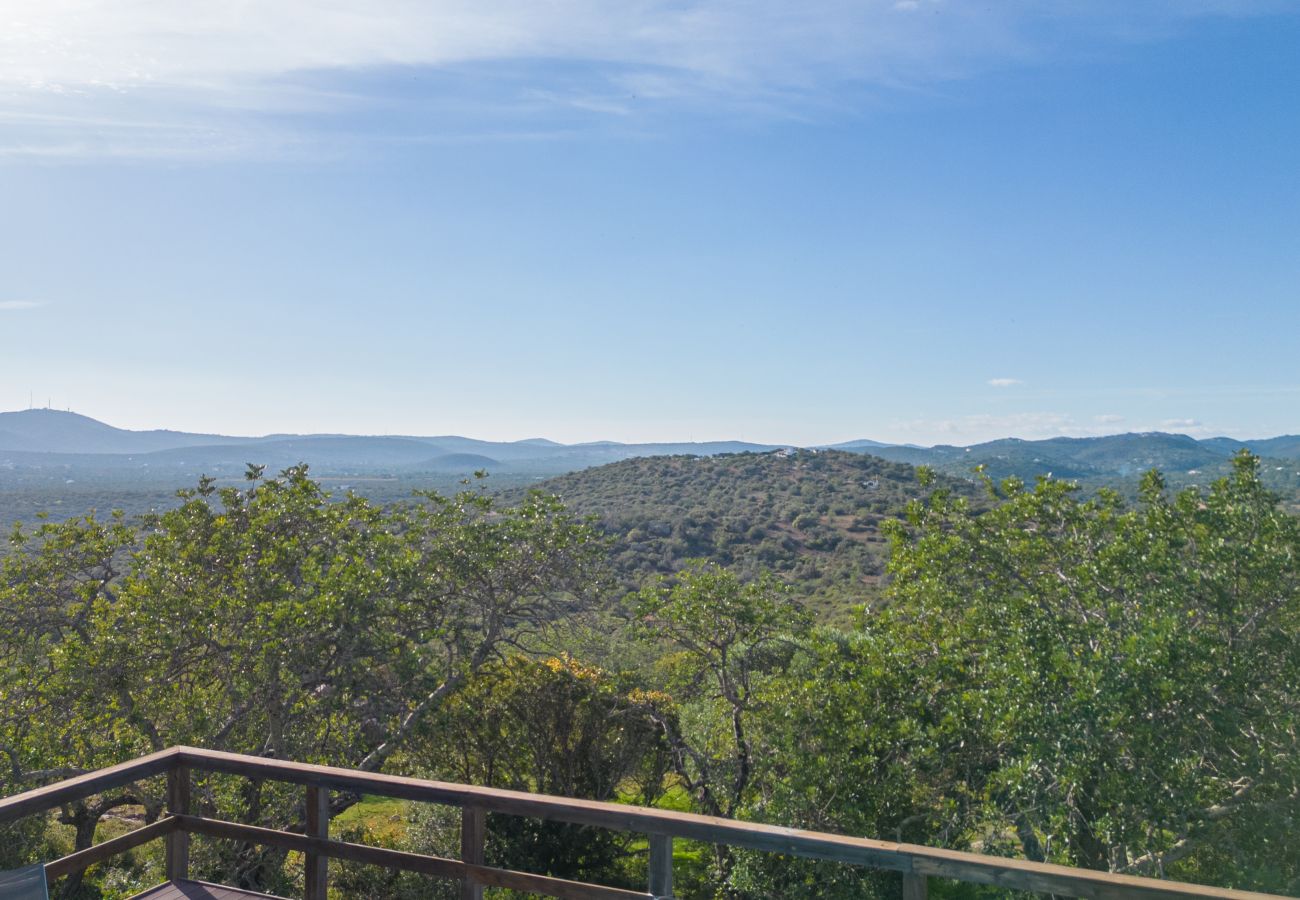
273 619
1071 679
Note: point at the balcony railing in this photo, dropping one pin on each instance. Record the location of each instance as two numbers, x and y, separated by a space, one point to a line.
917 864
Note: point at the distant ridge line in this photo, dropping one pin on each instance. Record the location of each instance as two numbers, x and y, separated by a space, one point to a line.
49 431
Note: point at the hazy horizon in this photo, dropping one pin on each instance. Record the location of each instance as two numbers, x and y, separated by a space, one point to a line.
425 433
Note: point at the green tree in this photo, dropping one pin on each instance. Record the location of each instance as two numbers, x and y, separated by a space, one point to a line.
1138 669
722 640
54 584
1069 679
554 726
271 619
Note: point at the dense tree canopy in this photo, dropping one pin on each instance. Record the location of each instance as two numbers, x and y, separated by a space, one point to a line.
1072 680
811 517
1049 674
267 620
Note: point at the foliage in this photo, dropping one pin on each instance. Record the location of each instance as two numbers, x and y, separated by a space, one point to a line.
1051 674
268 620
722 639
433 830
554 726
1071 680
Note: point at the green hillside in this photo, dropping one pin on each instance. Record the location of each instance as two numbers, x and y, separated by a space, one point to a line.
810 516
1116 461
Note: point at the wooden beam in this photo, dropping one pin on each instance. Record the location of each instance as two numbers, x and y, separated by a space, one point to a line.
1044 878
614 816
411 862
77 862
361 853
549 887
87 785
178 842
914 886
473 838
661 865
907 858
316 866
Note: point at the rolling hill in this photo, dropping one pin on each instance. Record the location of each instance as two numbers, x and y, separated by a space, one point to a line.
1113 460
811 516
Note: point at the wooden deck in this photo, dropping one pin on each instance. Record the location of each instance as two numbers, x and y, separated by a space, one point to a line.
198 890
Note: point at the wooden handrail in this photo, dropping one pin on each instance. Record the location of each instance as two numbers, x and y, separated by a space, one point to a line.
1010 873
916 862
82 786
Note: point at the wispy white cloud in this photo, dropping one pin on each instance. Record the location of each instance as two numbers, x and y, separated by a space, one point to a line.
64 46
1004 382
1108 419
8 305
123 77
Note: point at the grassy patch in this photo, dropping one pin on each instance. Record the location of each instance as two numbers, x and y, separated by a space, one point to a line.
384 817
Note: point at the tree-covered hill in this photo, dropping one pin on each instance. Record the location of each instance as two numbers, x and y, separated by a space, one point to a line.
813 517
1108 459
1114 461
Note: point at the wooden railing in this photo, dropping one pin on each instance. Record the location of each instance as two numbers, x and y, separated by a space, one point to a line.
916 863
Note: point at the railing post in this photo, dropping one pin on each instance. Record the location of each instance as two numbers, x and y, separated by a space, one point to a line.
661 866
178 842
914 886
316 866
473 832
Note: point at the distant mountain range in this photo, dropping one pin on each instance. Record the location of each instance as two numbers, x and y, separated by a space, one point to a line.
45 440
1092 458
45 437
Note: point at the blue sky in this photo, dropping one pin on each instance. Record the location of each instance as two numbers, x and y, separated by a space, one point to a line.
929 221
